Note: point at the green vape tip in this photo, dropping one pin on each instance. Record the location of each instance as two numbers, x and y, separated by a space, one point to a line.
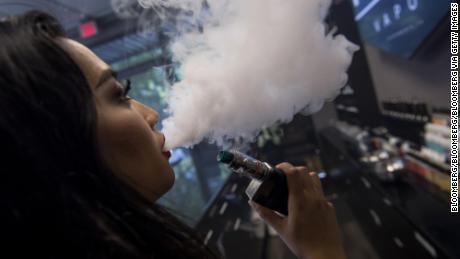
224 157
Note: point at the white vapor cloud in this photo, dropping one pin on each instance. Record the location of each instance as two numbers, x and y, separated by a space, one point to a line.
256 63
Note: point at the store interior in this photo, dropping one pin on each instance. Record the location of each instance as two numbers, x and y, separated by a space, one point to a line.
381 147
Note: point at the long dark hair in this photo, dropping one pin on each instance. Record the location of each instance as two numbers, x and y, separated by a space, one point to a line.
57 198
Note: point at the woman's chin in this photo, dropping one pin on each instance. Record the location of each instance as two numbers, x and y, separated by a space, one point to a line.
171 180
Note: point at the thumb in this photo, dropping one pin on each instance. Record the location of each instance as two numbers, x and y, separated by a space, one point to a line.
268 216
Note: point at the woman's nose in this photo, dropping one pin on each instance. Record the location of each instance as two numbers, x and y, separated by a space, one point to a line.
149 114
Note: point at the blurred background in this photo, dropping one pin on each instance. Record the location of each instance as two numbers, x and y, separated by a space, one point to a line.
381 147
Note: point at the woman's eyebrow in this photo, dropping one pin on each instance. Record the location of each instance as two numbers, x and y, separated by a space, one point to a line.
106 75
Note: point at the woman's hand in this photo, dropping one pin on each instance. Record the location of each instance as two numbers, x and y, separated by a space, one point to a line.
311 229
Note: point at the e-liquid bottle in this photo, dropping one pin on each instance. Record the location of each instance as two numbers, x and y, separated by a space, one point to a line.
268 186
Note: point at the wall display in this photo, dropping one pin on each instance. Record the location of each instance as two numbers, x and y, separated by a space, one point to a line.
399 26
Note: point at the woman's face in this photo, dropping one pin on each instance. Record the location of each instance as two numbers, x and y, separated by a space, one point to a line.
126 133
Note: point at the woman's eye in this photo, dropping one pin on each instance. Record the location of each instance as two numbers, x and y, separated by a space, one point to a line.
126 85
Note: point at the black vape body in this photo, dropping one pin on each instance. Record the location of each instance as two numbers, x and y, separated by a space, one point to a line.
271 192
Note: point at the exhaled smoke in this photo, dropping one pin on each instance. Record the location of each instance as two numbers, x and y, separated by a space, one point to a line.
256 63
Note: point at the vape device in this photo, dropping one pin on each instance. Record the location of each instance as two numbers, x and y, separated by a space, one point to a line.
268 186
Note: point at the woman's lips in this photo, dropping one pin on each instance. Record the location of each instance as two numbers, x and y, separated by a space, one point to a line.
167 154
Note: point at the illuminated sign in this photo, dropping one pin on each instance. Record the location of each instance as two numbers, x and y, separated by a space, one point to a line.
88 29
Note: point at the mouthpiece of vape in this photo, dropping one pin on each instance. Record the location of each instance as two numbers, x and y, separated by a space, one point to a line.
225 157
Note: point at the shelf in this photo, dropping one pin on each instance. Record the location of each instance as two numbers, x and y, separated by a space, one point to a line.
441 167
405 117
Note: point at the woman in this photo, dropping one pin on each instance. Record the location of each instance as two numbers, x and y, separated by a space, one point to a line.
82 163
